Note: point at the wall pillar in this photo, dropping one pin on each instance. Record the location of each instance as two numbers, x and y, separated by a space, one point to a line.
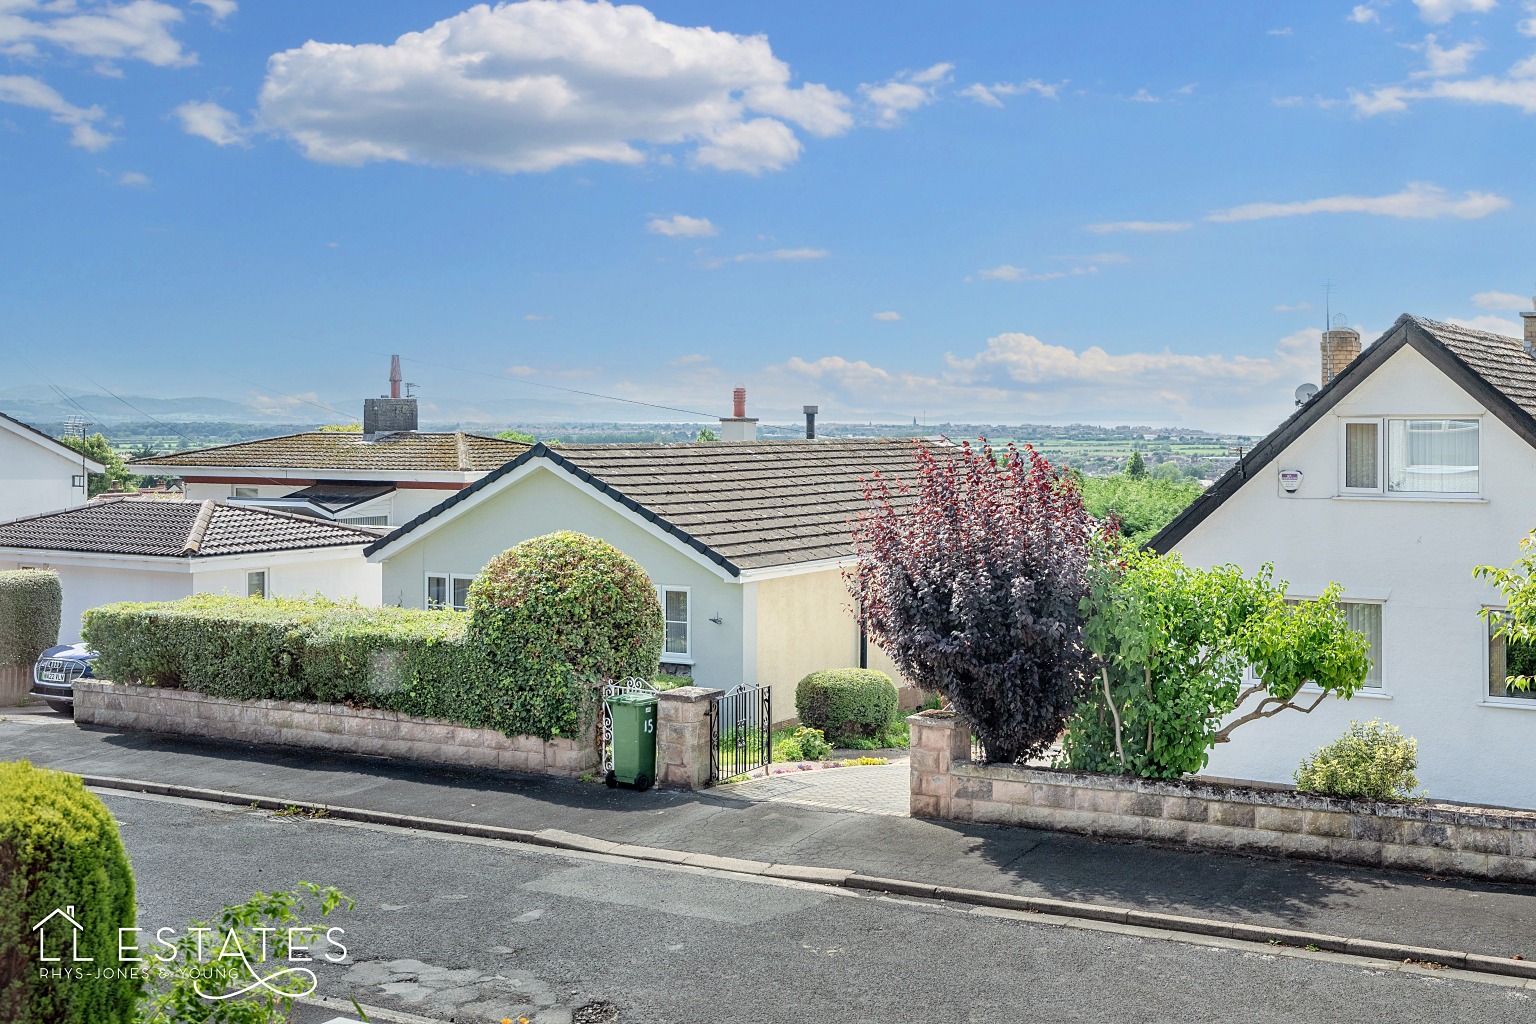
939 738
682 736
15 681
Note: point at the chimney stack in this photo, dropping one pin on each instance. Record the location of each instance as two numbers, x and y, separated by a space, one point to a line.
1530 331
810 421
739 426
393 414
1340 347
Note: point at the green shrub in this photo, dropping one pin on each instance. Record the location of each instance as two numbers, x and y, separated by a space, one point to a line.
31 606
59 849
800 744
1372 760
847 703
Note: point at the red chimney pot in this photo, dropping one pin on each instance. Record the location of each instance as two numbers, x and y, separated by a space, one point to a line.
739 403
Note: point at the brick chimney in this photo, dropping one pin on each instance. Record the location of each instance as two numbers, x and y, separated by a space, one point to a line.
1530 331
738 426
810 421
1340 347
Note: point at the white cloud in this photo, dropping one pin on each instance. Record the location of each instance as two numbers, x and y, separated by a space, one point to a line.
779 255
1438 12
1142 96
83 122
1298 307
1009 272
133 179
542 84
1491 325
889 316
907 91
1140 226
1507 301
1527 25
535 317
1279 31
220 9
992 95
1418 200
136 30
682 226
1516 89
1364 14
212 122
1098 257
1441 62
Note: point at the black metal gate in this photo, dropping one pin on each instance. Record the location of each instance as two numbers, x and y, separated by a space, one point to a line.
740 732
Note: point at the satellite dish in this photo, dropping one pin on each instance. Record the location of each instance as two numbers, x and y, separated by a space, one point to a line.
1304 393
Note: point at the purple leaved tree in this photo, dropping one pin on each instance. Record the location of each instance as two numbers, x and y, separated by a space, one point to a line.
971 581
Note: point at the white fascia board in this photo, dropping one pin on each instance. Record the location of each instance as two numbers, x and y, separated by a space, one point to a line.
279 474
51 446
263 559
179 563
773 572
442 519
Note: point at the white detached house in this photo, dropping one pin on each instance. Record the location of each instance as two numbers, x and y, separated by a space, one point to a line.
1414 464
37 473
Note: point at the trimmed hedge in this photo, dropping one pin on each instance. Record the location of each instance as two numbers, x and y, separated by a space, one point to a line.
31 608
60 849
846 703
414 662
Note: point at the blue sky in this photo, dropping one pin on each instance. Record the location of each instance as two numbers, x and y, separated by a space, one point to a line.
1003 212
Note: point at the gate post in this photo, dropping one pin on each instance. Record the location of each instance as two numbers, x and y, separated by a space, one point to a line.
939 739
682 736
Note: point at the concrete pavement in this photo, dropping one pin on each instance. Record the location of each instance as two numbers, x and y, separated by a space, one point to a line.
1497 920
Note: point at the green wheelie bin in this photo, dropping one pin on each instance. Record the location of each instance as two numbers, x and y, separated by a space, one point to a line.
634 740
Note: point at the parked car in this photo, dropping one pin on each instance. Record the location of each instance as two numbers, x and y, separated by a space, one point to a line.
53 678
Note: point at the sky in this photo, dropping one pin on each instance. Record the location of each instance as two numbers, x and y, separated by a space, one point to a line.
989 212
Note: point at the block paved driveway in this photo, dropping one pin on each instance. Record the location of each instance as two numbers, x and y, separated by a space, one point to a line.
868 789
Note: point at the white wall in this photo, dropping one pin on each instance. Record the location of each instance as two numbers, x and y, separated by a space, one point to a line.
88 587
1417 557
34 479
335 576
547 501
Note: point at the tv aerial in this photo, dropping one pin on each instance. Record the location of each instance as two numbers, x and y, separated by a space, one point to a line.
1304 393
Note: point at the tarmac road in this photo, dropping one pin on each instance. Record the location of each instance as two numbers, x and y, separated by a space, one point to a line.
473 930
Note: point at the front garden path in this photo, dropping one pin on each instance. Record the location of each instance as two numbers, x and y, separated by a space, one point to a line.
867 789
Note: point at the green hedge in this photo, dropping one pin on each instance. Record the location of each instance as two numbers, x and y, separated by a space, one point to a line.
397 659
31 607
846 703
59 849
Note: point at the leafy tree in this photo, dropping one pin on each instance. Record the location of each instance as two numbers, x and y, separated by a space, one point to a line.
707 435
97 447
1170 642
517 435
1516 622
972 586
1168 470
1136 467
355 427
1142 505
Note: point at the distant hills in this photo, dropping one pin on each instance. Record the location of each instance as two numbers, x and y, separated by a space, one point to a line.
38 405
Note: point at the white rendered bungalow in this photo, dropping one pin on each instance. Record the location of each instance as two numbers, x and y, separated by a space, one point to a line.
37 473
1415 463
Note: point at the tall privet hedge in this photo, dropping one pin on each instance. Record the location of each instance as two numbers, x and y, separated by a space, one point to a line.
60 850
31 603
549 620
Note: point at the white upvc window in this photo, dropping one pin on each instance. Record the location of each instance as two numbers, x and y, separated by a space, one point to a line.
1364 617
446 590
256 583
677 642
245 492
1507 659
1414 456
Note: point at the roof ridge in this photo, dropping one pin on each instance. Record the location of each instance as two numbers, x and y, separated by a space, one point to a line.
199 528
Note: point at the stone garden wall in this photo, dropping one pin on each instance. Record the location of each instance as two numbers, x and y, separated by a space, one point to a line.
326 727
1438 838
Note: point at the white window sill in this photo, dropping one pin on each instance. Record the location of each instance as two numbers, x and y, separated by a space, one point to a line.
676 659
1373 693
1522 704
1434 499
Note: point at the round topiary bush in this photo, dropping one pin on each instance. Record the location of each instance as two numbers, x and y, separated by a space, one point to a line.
60 851
31 607
846 703
558 614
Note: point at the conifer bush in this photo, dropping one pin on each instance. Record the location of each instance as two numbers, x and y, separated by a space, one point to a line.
60 850
846 703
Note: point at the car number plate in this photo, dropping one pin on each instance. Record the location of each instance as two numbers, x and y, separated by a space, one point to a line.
53 675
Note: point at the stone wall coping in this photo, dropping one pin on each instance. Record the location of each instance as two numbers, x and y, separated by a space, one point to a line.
690 694
1255 794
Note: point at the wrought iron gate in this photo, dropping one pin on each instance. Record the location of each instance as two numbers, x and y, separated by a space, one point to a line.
740 732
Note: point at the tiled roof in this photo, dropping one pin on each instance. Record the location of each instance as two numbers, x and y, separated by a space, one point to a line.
1501 361
186 529
406 452
751 504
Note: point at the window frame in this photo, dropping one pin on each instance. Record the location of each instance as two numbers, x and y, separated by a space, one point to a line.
1383 455
266 583
1488 698
449 580
671 657
253 492
1378 658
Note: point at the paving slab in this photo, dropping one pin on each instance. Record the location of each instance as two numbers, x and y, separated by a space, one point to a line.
1497 920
